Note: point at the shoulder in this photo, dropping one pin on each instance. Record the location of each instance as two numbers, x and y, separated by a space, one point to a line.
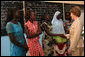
77 22
35 22
9 24
26 23
25 27
61 21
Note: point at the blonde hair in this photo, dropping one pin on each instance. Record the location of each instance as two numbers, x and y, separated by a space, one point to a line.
76 11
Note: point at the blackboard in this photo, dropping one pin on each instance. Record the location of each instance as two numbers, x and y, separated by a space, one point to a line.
39 7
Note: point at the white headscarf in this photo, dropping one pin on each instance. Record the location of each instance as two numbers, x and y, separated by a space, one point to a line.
57 25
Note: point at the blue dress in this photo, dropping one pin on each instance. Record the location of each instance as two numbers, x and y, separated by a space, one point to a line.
18 34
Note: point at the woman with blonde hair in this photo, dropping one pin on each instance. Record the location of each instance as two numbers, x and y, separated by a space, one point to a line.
76 41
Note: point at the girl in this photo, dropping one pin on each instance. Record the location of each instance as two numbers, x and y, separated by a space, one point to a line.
58 28
33 31
48 43
18 46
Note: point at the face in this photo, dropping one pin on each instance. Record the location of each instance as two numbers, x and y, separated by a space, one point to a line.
67 14
27 14
33 16
59 16
47 17
17 15
72 16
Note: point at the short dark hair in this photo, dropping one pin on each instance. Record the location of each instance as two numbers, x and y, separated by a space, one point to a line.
76 11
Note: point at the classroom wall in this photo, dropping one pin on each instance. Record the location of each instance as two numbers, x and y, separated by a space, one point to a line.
39 7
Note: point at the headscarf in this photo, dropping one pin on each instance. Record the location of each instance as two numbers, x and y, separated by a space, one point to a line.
57 25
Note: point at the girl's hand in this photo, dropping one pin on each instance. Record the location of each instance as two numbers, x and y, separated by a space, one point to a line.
66 35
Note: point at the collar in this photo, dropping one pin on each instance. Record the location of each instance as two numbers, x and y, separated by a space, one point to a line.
77 19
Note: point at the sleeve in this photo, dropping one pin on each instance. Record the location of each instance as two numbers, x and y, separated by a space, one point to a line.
25 24
9 28
76 36
20 24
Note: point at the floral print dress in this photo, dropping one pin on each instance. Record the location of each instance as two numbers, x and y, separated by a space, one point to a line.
35 48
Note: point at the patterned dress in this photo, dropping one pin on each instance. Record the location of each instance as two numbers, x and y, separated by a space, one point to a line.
59 48
35 48
67 25
18 34
47 42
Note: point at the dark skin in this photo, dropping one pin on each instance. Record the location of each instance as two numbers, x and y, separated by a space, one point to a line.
32 19
11 35
47 19
67 15
27 14
59 16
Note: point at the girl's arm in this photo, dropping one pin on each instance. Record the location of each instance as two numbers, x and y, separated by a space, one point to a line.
67 36
51 34
14 41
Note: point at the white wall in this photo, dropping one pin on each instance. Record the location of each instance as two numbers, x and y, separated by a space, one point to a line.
5 45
